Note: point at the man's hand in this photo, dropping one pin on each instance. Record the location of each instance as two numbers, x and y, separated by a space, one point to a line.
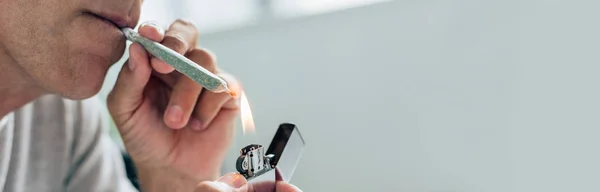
234 182
176 132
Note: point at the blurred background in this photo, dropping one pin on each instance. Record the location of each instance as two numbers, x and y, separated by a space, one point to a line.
406 95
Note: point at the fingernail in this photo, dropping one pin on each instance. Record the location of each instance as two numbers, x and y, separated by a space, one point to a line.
175 114
212 55
233 179
131 64
150 23
155 25
196 124
238 180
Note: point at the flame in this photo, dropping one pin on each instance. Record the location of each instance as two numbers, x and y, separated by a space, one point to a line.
247 120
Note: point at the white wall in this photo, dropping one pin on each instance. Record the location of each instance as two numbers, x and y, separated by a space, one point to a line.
430 95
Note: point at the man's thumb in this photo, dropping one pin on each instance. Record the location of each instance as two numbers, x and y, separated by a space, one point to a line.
230 182
128 92
234 180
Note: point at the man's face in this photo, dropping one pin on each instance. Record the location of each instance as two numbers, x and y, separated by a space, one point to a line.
66 46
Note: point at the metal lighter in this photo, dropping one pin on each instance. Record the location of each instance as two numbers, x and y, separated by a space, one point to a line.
278 162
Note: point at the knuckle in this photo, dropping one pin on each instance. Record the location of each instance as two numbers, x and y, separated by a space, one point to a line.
184 21
203 58
210 54
188 26
230 79
113 108
175 42
191 87
233 104
110 100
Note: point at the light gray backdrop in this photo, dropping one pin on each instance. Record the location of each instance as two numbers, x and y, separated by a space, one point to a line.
430 95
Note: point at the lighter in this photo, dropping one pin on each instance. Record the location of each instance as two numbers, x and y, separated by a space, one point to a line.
278 162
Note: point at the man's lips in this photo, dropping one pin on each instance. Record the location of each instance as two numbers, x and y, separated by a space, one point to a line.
114 19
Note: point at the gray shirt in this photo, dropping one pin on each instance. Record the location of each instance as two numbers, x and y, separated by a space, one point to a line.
55 144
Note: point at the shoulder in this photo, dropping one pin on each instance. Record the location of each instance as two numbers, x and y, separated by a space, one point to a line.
53 134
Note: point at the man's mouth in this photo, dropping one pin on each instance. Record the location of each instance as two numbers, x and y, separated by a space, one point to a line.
116 21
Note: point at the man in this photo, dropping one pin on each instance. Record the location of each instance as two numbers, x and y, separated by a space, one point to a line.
54 55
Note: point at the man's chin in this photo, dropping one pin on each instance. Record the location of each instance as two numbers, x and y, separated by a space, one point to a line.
81 86
81 92
86 79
